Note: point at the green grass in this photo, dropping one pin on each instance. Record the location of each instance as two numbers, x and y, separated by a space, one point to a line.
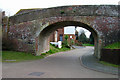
87 44
54 49
21 56
113 46
18 56
108 64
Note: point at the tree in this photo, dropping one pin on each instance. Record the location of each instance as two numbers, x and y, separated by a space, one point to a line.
91 39
66 37
82 38
65 42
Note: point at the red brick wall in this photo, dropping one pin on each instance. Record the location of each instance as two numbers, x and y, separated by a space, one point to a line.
52 37
59 31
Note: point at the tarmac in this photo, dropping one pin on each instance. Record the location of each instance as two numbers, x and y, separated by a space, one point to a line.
88 60
60 65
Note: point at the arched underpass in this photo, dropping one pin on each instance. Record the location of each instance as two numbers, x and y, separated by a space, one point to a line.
45 33
31 28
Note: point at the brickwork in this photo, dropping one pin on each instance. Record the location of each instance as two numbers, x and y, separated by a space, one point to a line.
59 32
101 20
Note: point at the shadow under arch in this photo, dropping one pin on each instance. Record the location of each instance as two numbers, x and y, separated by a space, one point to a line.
43 38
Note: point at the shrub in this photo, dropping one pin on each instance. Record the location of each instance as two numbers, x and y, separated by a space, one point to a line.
51 51
9 44
66 37
12 44
62 12
65 42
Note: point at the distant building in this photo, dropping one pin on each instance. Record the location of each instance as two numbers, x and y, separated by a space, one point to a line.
59 35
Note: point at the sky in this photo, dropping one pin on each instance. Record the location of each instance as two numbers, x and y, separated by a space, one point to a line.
13 6
71 30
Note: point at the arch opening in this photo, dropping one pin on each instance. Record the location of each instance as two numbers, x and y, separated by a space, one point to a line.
43 37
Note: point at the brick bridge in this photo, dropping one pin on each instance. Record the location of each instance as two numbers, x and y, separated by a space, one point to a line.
32 28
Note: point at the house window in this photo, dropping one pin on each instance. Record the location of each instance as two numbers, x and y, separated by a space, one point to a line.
61 37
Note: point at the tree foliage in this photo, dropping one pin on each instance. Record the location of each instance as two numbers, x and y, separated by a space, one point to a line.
91 39
65 42
66 37
82 38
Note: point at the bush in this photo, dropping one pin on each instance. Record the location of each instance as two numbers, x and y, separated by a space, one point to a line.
65 42
51 51
9 44
62 12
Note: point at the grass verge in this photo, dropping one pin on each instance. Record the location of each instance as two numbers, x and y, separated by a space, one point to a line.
87 44
113 46
108 64
12 56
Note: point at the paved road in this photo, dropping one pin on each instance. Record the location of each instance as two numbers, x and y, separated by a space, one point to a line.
59 65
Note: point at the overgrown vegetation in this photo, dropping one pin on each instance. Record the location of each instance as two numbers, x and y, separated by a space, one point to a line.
108 64
12 56
54 49
113 46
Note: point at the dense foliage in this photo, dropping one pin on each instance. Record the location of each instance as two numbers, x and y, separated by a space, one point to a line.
65 42
91 39
82 38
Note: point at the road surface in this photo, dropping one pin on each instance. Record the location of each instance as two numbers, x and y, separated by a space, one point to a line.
59 65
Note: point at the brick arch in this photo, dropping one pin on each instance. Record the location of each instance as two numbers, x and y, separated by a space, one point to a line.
28 26
43 37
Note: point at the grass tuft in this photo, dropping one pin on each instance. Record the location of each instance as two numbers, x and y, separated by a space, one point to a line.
113 46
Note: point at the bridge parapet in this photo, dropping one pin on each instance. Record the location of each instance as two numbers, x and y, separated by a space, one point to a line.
75 10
